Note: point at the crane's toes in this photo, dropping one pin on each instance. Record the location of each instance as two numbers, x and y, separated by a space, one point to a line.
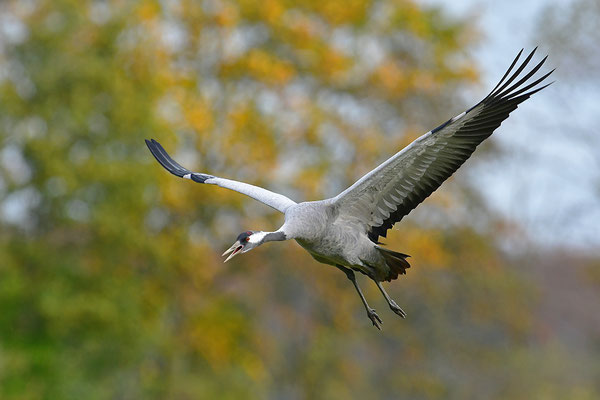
374 318
395 308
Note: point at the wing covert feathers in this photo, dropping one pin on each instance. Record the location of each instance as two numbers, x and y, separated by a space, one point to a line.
455 140
390 191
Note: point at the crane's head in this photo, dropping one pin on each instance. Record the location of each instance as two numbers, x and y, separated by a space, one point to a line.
245 242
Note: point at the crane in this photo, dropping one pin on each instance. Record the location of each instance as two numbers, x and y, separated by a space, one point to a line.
343 231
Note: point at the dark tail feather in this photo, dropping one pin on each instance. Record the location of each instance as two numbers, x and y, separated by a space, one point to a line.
396 261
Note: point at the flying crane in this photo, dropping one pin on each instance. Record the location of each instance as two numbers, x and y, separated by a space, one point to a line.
343 231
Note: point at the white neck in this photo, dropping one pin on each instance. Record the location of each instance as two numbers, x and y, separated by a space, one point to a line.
260 237
257 237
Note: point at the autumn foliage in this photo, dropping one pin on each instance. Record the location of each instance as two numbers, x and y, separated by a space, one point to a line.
111 280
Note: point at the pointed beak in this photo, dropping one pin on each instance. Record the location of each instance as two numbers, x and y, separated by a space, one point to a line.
234 250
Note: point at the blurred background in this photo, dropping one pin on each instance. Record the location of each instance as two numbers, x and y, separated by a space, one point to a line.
111 280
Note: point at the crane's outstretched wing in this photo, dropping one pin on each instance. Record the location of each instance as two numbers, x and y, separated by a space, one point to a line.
275 200
389 192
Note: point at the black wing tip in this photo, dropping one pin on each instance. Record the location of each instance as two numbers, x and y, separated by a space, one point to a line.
503 91
200 178
534 91
171 165
152 143
163 158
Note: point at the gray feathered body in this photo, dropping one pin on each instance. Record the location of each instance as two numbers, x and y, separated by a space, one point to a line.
333 239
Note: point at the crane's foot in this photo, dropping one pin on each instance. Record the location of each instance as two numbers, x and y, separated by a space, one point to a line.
395 308
374 318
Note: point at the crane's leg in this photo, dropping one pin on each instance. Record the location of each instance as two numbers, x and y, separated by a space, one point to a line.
391 302
370 312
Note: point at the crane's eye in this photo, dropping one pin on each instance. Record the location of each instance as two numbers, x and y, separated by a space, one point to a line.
247 238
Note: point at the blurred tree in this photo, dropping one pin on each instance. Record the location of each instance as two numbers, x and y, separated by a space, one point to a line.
571 31
110 281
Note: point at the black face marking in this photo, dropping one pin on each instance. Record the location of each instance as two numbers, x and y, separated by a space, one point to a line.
244 236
